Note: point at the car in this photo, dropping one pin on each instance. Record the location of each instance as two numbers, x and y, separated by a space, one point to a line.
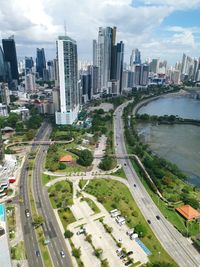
122 256
37 253
124 164
27 213
130 232
129 253
62 254
134 185
81 231
158 217
124 260
128 263
119 250
149 222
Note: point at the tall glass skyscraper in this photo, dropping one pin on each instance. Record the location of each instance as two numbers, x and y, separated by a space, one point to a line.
10 56
68 80
40 62
2 66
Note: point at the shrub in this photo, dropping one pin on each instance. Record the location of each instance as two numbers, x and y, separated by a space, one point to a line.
68 234
76 252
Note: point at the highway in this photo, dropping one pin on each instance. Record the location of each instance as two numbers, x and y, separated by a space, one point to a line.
174 243
31 245
50 226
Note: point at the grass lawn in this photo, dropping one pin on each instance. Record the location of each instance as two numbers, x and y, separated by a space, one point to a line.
43 248
47 178
66 217
18 251
10 212
119 173
169 213
61 194
92 205
82 183
113 194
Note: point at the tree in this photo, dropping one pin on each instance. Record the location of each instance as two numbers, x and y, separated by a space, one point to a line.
38 220
192 202
13 119
98 252
106 163
62 166
68 234
140 230
85 158
76 252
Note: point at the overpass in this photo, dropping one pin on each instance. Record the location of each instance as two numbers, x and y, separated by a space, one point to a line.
41 142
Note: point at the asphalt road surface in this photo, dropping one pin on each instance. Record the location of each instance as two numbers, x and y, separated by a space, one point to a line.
50 226
174 243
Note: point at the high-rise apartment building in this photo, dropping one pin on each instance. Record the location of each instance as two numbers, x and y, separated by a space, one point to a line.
29 64
94 52
135 58
5 93
68 80
108 56
105 41
154 65
50 70
40 62
10 56
144 77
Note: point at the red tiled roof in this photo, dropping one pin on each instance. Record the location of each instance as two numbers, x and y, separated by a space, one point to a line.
66 158
188 212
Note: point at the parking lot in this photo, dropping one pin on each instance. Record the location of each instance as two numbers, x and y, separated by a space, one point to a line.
100 238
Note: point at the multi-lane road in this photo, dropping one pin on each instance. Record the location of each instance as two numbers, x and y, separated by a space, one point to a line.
50 226
174 243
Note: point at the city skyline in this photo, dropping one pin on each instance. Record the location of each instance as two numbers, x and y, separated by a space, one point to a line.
159 30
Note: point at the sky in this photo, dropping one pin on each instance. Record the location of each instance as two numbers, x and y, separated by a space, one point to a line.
160 29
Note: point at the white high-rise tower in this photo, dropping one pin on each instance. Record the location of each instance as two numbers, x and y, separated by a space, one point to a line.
68 80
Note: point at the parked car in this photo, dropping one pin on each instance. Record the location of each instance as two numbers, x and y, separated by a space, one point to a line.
81 231
129 253
128 263
149 222
130 232
122 256
158 217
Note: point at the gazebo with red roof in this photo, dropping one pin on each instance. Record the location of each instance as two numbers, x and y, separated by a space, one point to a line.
188 212
66 158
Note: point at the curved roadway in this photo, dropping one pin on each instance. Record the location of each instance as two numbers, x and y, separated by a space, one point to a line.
174 243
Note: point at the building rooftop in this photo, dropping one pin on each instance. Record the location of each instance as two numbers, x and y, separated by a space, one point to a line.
66 158
188 212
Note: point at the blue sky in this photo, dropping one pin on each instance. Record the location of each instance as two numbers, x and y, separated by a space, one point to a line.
164 29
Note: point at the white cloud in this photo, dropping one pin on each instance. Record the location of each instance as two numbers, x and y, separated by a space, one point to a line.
180 4
38 23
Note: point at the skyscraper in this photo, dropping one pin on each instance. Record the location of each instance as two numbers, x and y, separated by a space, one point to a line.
2 66
144 77
106 38
40 62
94 53
135 58
10 56
68 80
28 64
